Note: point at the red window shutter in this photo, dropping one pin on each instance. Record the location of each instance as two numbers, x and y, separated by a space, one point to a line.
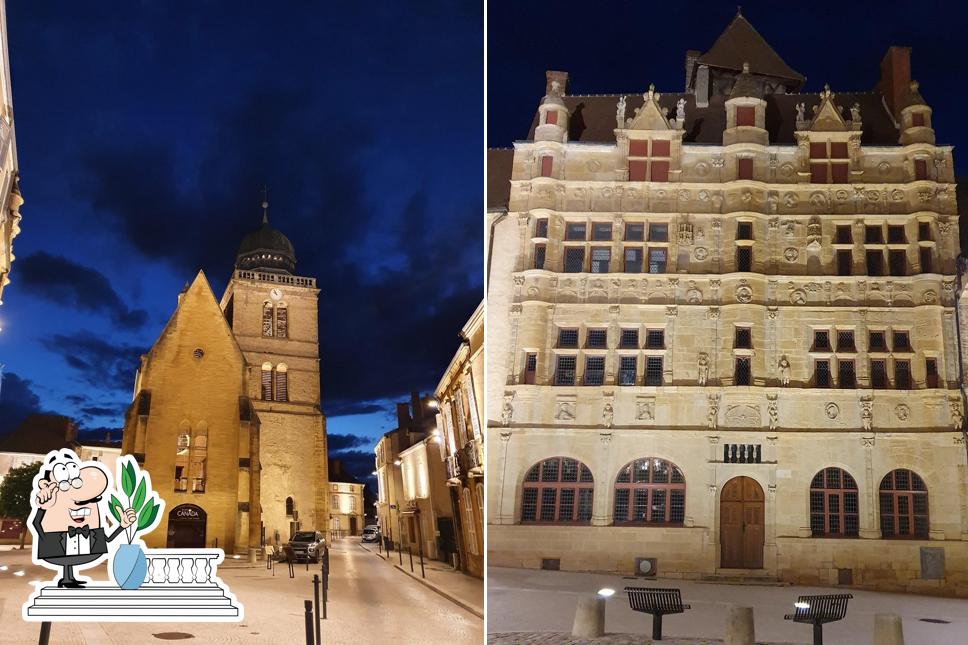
638 148
551 117
839 173
917 120
838 149
745 115
660 171
546 166
745 165
660 148
637 170
818 173
920 169
818 150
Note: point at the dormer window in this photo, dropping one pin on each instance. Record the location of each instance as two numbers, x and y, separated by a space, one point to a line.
828 162
654 162
551 117
746 115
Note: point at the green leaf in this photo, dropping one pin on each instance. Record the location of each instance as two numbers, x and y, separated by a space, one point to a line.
127 478
115 507
151 516
139 497
143 517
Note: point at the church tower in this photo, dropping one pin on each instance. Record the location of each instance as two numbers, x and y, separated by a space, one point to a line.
273 315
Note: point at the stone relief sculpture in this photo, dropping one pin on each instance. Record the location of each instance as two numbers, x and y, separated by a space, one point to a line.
713 414
508 410
645 411
773 409
703 362
903 411
957 415
832 410
867 413
784 366
566 411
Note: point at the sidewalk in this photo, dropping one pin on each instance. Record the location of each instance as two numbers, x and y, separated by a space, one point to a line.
463 590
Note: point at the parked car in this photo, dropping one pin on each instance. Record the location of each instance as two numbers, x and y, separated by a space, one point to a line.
371 533
307 545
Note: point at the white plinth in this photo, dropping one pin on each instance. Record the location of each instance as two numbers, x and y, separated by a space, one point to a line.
149 603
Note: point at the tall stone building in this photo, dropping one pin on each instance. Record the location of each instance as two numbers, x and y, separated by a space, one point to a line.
226 415
10 199
721 332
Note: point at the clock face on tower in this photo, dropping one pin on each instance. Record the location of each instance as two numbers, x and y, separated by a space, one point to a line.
275 294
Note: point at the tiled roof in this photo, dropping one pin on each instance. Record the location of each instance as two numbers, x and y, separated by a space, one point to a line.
741 43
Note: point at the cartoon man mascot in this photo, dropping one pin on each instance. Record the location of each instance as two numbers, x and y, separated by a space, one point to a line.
66 523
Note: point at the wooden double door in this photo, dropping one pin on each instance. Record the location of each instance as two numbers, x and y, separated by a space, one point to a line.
741 524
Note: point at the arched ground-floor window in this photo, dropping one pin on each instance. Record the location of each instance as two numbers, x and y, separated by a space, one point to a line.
833 504
649 491
557 490
903 505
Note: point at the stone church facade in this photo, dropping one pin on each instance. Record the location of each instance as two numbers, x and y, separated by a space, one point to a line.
226 415
721 332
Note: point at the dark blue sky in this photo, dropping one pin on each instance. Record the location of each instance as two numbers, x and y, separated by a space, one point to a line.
622 46
145 131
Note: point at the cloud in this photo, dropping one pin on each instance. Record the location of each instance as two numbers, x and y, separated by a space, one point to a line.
98 363
337 443
74 286
396 287
17 401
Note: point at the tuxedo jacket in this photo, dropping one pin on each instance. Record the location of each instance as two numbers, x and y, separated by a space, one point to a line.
53 544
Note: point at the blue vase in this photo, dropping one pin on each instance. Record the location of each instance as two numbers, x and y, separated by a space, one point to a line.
129 566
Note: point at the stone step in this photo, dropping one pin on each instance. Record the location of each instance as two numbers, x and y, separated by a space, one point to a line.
149 602
110 591
134 601
148 613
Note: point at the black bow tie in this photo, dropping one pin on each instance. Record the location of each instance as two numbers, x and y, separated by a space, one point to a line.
84 530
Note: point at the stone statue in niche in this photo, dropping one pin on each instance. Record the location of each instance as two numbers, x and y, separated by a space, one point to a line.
784 365
957 416
508 410
681 110
703 362
608 415
556 88
800 117
620 113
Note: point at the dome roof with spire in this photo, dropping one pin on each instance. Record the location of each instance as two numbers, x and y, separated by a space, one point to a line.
266 248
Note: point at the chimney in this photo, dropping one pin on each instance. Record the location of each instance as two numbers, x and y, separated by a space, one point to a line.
403 416
895 77
691 56
561 77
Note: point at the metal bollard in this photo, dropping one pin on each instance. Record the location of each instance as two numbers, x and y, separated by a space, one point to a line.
316 599
309 621
44 633
292 574
325 594
410 553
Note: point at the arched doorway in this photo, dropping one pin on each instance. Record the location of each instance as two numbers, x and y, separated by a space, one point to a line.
741 524
186 527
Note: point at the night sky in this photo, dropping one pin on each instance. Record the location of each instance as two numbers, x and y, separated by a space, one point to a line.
620 47
145 132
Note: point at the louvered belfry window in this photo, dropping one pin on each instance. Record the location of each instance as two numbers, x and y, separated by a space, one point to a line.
266 384
282 384
267 320
282 321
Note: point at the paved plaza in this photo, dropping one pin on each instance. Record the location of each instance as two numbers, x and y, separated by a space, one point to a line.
537 608
370 601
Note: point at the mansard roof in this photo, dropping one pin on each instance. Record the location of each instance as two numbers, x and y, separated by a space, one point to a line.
593 117
741 43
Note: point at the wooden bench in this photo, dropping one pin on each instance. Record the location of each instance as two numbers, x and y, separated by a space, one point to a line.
658 602
818 610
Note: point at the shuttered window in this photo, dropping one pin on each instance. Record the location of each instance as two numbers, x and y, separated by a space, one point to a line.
547 164
746 115
267 320
266 384
282 384
282 321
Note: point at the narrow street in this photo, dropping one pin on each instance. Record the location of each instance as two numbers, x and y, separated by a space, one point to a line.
370 601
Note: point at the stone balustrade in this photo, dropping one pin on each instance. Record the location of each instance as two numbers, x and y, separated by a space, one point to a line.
277 278
182 566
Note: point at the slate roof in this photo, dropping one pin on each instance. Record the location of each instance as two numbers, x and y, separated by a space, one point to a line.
39 434
741 43
593 119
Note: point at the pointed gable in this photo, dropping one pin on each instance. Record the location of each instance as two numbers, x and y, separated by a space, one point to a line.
741 43
651 116
827 117
197 318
